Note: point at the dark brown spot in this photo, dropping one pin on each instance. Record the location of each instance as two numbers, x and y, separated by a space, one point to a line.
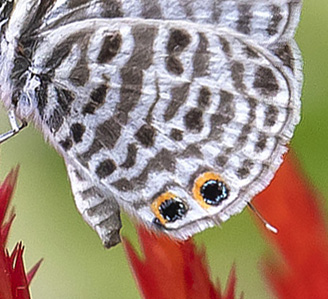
78 175
80 74
179 39
221 161
204 97
247 128
252 103
91 192
131 156
176 134
192 150
146 135
174 65
244 18
201 57
106 136
285 53
250 52
261 142
97 99
266 81
64 99
63 49
237 74
105 168
108 133
194 120
216 12
244 171
271 115
275 20
143 52
77 131
55 121
123 185
164 160
149 117
151 9
111 9
110 47
130 91
66 144
245 131
179 95
74 3
224 114
225 46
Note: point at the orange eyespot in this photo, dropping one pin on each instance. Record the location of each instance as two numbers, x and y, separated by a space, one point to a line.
168 208
210 190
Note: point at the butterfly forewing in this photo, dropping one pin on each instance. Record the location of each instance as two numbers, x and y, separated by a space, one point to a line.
176 111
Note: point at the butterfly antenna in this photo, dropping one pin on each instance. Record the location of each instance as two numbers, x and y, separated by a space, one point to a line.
265 222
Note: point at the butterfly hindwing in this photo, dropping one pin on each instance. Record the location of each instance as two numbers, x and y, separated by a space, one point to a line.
176 111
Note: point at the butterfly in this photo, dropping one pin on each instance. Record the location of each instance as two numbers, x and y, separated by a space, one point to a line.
176 111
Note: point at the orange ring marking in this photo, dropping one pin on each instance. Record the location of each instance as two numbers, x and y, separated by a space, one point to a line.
157 202
199 182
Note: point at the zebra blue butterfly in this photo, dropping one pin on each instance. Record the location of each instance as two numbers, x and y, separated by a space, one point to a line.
176 111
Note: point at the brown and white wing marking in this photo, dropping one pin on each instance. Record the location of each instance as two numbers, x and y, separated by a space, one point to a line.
265 21
155 107
100 210
177 111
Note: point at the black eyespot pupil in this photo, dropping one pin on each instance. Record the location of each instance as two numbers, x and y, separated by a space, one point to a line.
172 210
214 191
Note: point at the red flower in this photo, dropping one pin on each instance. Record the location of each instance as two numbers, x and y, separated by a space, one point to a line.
14 281
173 269
294 208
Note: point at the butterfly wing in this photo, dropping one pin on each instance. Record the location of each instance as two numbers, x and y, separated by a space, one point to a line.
144 107
265 21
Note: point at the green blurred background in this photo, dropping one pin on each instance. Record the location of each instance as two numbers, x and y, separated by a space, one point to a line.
75 263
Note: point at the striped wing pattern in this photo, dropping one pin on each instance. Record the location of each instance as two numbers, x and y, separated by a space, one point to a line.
144 98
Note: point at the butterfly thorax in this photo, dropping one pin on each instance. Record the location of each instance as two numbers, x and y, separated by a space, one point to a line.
18 81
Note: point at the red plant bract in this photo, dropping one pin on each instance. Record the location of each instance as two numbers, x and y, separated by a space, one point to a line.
294 208
173 269
14 281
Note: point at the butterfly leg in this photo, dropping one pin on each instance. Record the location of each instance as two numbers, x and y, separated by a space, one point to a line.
15 128
99 210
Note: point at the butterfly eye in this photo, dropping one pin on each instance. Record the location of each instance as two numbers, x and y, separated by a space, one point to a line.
210 190
168 208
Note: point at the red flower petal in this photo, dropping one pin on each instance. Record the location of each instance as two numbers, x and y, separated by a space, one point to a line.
173 269
5 284
33 271
19 283
6 190
4 230
13 280
294 208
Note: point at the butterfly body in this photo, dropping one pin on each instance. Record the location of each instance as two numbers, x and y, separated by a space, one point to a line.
176 116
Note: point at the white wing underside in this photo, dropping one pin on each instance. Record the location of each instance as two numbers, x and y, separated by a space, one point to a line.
241 52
